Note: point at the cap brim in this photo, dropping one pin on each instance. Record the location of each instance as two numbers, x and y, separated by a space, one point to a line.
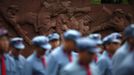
94 50
117 41
46 46
99 42
53 39
20 46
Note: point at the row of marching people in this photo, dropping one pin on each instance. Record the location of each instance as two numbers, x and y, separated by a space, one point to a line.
74 55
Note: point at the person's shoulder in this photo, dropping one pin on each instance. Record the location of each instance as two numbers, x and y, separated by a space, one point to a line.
123 49
128 61
9 57
30 58
94 68
22 57
68 69
121 52
126 67
103 57
55 54
56 51
102 61
71 67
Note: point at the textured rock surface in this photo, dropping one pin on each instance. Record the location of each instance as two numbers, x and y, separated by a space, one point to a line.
28 18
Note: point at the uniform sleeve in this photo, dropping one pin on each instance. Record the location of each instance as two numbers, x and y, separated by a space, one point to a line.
28 69
25 67
124 71
64 72
102 65
116 61
53 66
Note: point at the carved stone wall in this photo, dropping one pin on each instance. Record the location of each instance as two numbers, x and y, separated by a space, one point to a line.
28 18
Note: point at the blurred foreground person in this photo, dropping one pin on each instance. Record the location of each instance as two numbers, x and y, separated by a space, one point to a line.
126 54
38 61
20 61
124 50
62 55
111 44
83 66
7 64
97 38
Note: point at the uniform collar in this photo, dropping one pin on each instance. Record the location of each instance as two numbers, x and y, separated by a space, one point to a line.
107 54
84 66
16 58
35 56
128 46
81 65
6 55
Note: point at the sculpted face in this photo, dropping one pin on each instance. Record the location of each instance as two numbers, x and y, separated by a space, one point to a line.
12 11
119 23
120 20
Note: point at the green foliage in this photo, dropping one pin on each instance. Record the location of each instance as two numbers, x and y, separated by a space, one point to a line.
125 1
96 1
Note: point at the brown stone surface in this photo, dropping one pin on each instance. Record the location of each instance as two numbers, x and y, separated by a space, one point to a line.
28 18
